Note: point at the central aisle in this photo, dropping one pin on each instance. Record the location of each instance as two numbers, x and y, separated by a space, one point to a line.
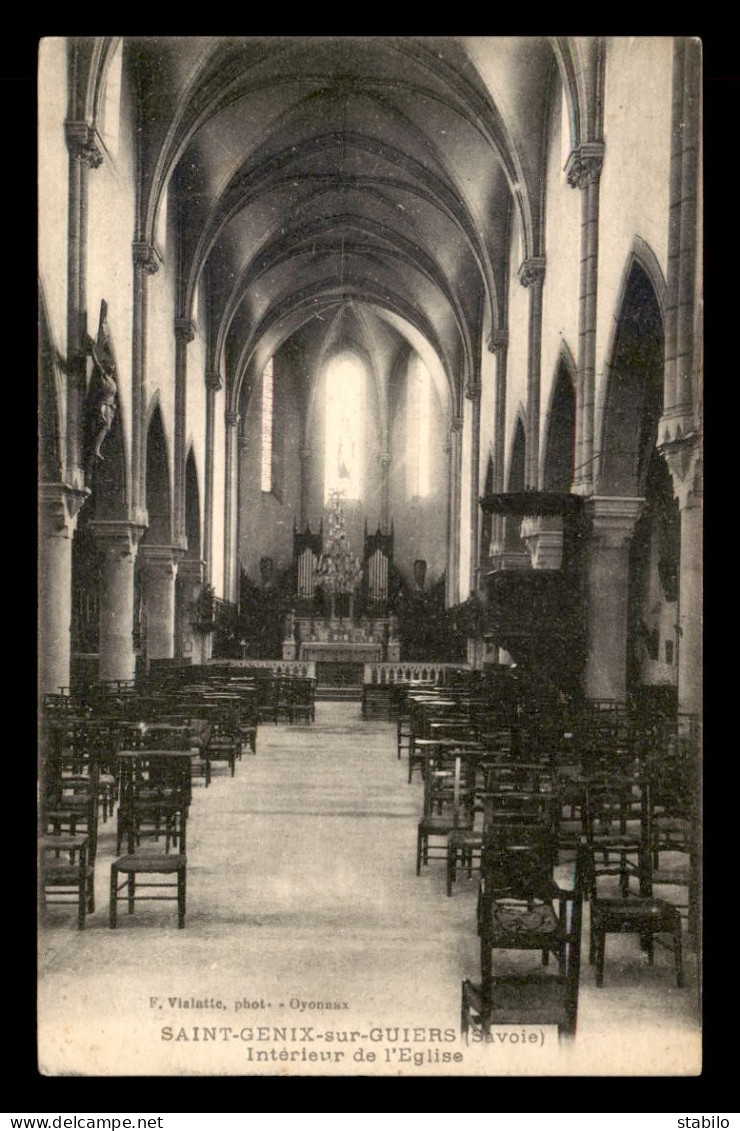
317 839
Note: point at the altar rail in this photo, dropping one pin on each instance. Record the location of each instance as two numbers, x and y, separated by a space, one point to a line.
431 672
305 668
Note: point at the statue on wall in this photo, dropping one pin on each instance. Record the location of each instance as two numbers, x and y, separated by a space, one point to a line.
102 393
267 569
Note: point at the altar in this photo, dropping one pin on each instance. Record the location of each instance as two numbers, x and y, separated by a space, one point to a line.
341 652
342 614
365 640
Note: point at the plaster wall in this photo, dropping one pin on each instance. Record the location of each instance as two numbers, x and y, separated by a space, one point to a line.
516 384
53 164
266 521
195 411
110 234
560 295
634 197
420 524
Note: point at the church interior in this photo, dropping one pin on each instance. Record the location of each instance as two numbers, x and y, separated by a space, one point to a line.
369 555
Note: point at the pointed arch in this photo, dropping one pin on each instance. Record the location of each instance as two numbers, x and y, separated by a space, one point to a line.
573 78
193 530
633 389
517 451
516 482
157 485
487 516
558 457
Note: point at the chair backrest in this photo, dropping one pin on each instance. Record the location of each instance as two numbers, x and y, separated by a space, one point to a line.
517 863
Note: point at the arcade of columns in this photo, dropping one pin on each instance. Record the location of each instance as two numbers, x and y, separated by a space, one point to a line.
613 519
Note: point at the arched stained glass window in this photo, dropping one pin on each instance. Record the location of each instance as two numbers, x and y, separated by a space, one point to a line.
267 434
418 408
345 413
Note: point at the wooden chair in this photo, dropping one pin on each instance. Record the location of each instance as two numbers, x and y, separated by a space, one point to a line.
164 872
155 798
449 804
510 795
616 826
622 912
70 803
303 705
65 874
135 865
523 909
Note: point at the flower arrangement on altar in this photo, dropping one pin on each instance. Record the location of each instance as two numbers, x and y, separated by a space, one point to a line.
338 570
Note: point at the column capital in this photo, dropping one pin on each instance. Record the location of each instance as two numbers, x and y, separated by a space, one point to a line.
83 142
584 164
684 456
231 418
306 455
159 561
184 329
473 389
59 505
532 271
243 442
214 381
678 425
146 257
117 537
456 425
613 518
384 458
498 341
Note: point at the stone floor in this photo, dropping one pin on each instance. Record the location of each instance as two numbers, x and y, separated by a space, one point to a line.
311 946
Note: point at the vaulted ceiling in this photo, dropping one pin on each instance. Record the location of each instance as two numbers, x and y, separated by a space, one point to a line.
315 172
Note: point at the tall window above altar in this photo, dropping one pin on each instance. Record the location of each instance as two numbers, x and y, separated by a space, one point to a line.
345 414
418 406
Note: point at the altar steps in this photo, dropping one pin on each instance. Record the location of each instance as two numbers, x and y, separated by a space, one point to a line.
352 694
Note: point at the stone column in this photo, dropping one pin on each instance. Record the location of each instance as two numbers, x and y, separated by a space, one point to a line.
607 580
385 489
684 460
184 334
58 508
242 444
146 261
232 420
498 344
532 276
473 393
453 512
583 170
683 236
85 153
158 573
118 541
190 576
305 458
214 384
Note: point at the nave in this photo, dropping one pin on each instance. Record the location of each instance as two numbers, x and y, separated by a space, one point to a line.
302 888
